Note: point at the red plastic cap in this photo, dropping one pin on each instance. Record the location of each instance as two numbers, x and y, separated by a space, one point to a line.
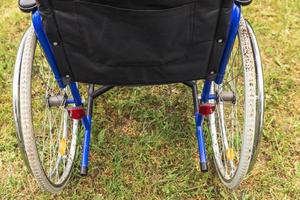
207 109
76 113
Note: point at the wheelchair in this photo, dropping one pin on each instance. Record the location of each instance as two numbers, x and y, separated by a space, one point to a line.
88 47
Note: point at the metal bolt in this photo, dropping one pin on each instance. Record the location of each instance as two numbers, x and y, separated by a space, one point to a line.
212 73
220 40
55 43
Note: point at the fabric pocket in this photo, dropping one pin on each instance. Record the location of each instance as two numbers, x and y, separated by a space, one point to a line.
121 37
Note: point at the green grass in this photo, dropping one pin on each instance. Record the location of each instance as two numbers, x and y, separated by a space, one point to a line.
143 143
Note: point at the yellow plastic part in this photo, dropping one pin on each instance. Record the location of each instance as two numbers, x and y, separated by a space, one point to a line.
230 154
62 147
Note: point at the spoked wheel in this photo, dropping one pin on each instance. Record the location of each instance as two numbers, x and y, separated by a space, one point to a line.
235 126
47 135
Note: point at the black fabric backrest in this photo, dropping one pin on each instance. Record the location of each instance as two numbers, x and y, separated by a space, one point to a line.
137 41
45 5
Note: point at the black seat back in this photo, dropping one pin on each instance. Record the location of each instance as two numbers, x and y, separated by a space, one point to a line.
121 42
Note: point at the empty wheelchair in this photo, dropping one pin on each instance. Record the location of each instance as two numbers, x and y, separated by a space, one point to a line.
93 46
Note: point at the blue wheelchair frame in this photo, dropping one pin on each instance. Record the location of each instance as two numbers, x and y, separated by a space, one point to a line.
87 119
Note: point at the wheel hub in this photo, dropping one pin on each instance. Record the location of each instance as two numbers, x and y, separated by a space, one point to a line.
227 97
56 101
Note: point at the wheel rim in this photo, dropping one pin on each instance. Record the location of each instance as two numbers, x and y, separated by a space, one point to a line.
55 133
226 123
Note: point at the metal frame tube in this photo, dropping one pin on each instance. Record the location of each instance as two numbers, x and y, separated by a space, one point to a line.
205 92
205 97
199 128
234 26
102 90
43 40
87 135
86 120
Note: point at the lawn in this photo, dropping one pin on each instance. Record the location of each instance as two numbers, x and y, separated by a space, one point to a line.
143 143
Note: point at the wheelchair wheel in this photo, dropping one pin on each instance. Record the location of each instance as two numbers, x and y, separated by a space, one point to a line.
47 134
236 124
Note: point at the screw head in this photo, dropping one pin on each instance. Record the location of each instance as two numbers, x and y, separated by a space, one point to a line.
220 40
55 43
